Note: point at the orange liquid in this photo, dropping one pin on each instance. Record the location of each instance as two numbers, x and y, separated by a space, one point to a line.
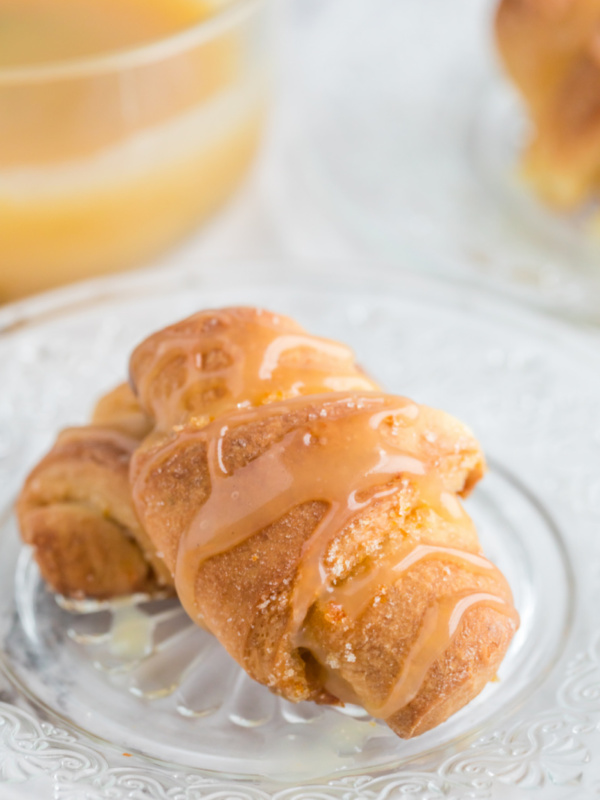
102 169
44 31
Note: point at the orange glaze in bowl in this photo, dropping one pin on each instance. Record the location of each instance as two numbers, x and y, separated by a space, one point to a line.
123 124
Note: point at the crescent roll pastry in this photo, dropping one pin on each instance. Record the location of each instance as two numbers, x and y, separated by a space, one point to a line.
551 50
76 511
313 523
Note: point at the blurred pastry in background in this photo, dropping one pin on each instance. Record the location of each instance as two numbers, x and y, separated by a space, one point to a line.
123 125
551 49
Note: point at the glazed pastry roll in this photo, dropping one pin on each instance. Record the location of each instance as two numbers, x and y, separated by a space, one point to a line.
320 536
551 52
76 511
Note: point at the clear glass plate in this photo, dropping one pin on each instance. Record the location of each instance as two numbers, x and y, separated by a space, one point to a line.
406 135
130 700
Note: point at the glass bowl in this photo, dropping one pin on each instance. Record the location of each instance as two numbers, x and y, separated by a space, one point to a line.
107 160
167 713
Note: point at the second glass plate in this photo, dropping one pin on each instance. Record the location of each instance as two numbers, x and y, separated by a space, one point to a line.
406 132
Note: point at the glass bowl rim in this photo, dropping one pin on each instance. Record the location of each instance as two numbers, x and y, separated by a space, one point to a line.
232 14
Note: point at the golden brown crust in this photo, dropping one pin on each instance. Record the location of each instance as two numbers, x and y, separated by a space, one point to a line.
82 554
460 675
75 510
120 410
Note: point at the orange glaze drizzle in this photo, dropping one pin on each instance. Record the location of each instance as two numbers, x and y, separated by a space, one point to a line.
357 592
243 357
341 459
336 454
439 625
